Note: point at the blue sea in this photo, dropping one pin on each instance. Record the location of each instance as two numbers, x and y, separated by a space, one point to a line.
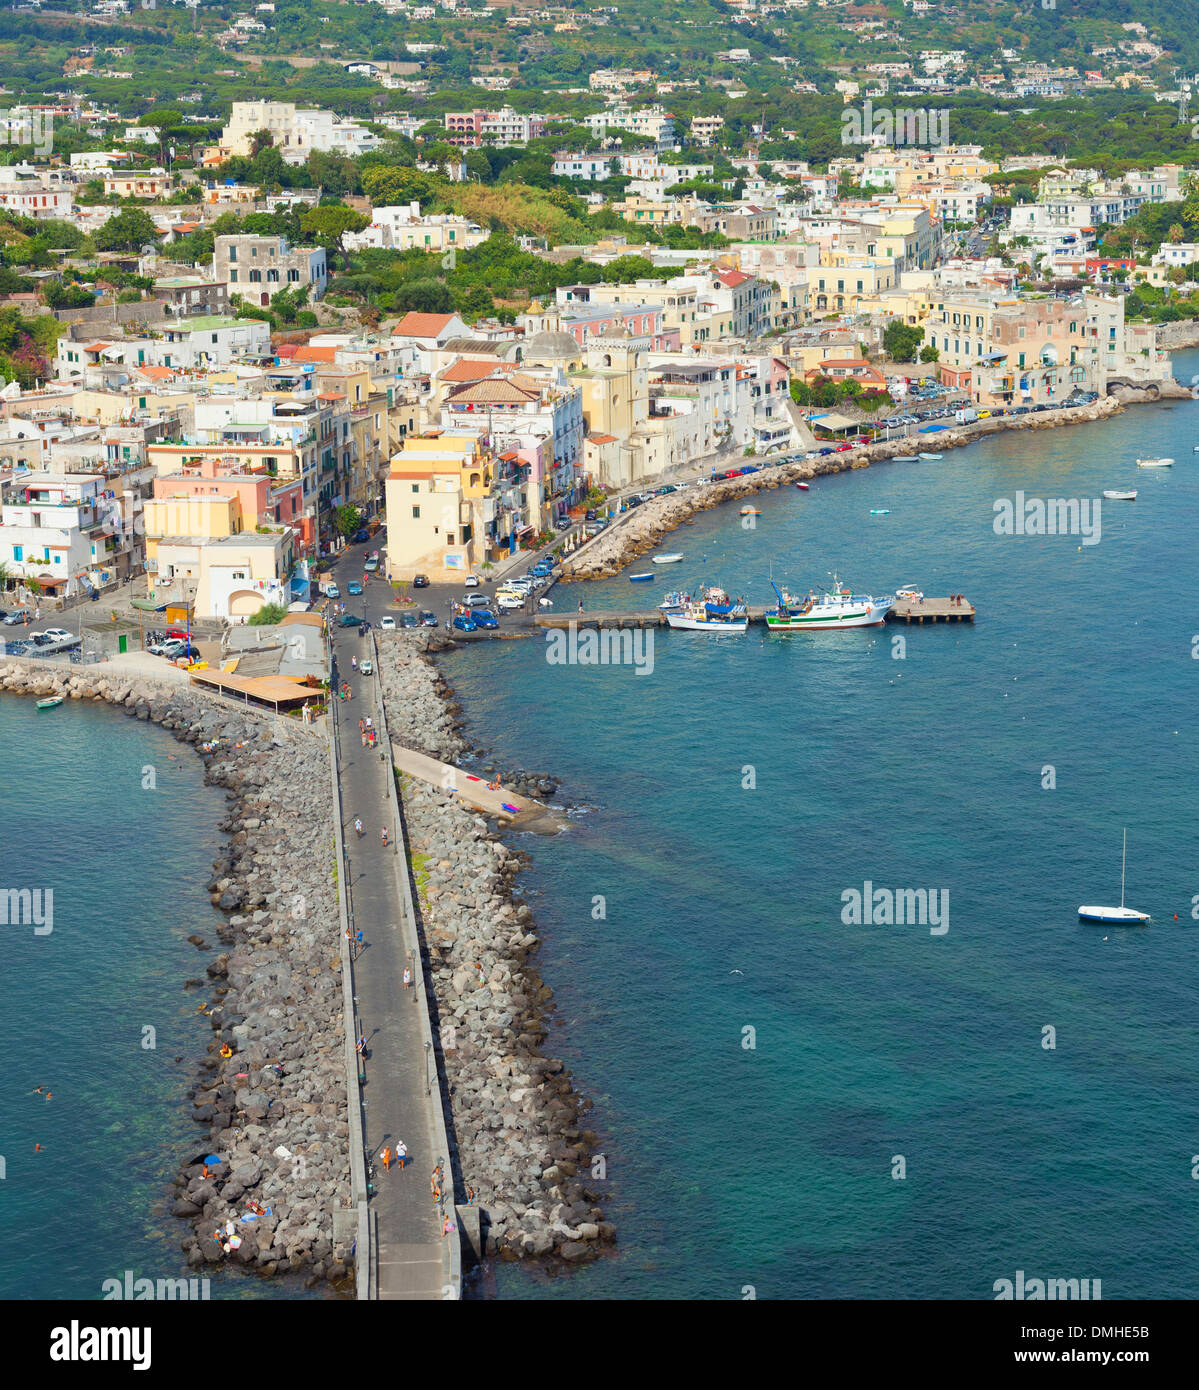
811 1109
113 818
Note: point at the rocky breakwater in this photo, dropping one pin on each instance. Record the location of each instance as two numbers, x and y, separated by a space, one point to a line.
518 1125
644 528
271 1094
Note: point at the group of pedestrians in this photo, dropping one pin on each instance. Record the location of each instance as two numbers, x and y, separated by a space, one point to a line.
399 1155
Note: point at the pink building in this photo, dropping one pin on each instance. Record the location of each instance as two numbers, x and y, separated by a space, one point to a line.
271 501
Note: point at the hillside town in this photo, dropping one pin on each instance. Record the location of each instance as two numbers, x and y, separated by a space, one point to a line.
177 444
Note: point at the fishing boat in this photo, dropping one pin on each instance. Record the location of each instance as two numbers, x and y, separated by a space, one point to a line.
674 602
1154 463
667 559
803 487
932 458
715 612
1117 915
640 578
50 702
834 608
880 511
1115 496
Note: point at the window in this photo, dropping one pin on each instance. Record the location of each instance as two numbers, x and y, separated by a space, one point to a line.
415 487
233 254
18 552
416 514
255 277
233 277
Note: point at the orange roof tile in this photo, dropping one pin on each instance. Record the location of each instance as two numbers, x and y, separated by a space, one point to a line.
308 353
414 325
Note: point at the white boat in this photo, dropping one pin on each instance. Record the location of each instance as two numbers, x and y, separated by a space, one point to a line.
932 458
880 511
1114 496
834 609
1154 463
1117 915
716 612
674 602
909 591
667 559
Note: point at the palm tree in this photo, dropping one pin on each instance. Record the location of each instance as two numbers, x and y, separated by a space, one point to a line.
1175 234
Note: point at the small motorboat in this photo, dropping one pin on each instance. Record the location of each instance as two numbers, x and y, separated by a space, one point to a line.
640 578
880 511
1154 463
667 559
1121 915
50 702
932 458
803 487
1115 496
909 591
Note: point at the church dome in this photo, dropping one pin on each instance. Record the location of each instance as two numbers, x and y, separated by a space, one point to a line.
556 346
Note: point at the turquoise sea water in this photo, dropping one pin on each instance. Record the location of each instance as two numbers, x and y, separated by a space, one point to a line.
771 1166
127 866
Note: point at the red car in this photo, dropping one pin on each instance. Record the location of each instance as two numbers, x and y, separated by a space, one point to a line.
732 473
841 448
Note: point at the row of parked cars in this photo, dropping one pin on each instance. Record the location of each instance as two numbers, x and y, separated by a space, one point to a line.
407 621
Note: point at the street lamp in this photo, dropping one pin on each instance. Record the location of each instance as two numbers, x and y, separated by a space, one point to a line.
428 1068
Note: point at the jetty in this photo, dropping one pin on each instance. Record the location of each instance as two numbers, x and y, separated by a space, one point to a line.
931 610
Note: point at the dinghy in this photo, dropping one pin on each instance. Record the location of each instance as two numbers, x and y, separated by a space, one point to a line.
639 578
1154 463
932 458
1114 496
51 702
667 559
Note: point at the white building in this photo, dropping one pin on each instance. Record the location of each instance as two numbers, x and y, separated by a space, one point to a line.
55 528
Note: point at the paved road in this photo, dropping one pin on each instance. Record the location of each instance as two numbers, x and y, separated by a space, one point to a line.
397 1107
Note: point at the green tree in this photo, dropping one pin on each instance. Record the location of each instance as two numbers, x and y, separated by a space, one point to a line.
346 520
900 340
129 230
389 184
327 227
426 296
930 354
268 615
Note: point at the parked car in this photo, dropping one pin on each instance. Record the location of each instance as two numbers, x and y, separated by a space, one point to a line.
484 618
359 537
824 453
371 566
841 448
332 591
472 581
428 619
174 651
508 602
1021 410
55 634
354 588
465 624
590 514
365 668
409 621
387 624
420 581
751 468
18 615
476 600
348 620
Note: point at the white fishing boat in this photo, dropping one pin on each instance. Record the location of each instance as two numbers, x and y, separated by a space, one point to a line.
1115 496
667 559
715 612
1117 915
1155 463
931 458
833 609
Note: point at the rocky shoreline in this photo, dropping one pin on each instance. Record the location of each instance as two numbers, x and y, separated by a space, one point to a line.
517 1132
275 1108
642 529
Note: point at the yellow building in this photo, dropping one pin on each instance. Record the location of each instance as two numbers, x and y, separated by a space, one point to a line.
182 524
439 506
